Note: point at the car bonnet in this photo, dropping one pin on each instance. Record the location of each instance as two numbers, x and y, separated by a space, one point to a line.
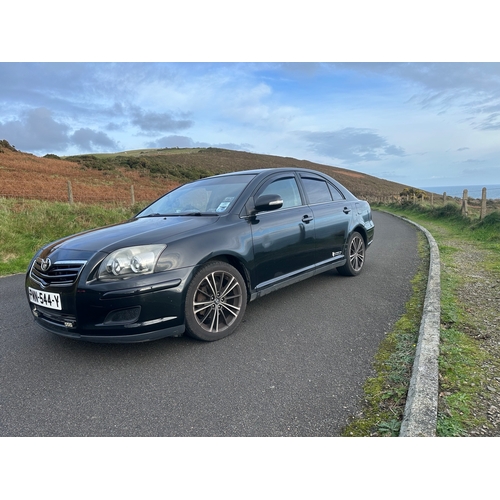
140 231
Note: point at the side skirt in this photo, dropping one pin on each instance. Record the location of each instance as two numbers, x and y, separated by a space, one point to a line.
290 279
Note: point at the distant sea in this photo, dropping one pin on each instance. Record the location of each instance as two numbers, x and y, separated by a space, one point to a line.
492 191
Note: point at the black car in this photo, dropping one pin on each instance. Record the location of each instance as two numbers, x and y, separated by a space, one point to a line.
192 260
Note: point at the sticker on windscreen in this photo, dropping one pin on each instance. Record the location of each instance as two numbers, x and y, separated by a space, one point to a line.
224 204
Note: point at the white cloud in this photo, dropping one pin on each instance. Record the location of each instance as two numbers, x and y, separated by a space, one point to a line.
34 130
351 145
90 140
38 131
150 121
401 120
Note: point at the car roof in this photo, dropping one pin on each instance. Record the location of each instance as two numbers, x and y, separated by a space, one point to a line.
264 172
258 171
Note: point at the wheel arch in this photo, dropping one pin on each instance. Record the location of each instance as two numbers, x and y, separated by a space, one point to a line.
362 231
237 263
216 299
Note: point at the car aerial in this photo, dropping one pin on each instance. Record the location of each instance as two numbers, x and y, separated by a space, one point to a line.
192 260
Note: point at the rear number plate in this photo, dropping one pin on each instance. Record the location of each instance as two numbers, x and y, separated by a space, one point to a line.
45 299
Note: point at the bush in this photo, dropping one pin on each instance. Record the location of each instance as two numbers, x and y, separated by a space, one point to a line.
92 161
448 211
492 220
489 228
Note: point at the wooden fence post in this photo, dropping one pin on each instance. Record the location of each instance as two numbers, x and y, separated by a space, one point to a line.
444 198
482 215
70 193
132 194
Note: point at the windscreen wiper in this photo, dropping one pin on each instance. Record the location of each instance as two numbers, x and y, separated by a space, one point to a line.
196 214
180 214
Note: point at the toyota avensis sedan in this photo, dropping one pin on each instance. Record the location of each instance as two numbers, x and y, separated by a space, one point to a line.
192 260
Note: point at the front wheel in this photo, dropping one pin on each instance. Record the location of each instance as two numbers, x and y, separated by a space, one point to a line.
216 300
355 255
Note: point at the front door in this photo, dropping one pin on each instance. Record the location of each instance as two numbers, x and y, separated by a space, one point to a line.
283 239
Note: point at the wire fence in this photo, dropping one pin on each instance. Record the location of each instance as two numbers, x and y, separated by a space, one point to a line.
129 194
470 207
74 192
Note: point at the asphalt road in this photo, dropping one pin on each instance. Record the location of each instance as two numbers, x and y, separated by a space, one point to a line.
295 367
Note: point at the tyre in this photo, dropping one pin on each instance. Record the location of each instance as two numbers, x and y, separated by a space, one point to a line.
216 300
355 256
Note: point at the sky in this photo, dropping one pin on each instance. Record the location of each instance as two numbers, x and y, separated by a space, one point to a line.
418 123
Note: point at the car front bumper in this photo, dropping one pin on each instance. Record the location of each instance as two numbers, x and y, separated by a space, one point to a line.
134 310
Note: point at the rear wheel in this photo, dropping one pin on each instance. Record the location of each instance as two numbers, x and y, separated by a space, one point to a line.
355 256
216 300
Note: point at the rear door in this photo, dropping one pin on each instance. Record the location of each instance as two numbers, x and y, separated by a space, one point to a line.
332 214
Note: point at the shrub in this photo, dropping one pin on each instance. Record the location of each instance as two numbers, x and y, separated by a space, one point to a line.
492 220
450 210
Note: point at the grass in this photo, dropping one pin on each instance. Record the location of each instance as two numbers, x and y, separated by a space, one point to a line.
461 359
27 225
385 394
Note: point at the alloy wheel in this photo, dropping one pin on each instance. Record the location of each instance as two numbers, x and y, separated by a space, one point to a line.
357 253
217 302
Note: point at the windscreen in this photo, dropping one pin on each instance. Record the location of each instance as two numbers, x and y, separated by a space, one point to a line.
211 196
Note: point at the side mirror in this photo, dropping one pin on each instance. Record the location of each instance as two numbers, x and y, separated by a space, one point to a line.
268 202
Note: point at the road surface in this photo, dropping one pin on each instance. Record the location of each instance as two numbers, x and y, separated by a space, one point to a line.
295 367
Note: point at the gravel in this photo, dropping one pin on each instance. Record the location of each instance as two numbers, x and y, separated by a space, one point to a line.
479 295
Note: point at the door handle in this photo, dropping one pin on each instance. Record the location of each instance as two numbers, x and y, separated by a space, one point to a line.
346 210
307 218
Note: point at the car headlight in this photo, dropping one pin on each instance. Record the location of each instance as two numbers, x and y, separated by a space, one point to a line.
130 261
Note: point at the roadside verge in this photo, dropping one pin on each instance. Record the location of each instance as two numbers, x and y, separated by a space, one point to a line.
420 414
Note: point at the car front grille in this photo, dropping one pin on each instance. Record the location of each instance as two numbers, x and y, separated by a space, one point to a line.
55 317
62 273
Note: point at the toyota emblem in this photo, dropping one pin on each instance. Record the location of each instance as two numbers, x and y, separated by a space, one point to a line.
45 265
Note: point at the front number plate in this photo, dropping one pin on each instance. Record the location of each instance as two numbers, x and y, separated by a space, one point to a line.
45 299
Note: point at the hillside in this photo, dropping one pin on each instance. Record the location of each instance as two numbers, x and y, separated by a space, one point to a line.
108 177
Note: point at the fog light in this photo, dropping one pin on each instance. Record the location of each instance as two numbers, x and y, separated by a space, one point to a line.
69 324
123 316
